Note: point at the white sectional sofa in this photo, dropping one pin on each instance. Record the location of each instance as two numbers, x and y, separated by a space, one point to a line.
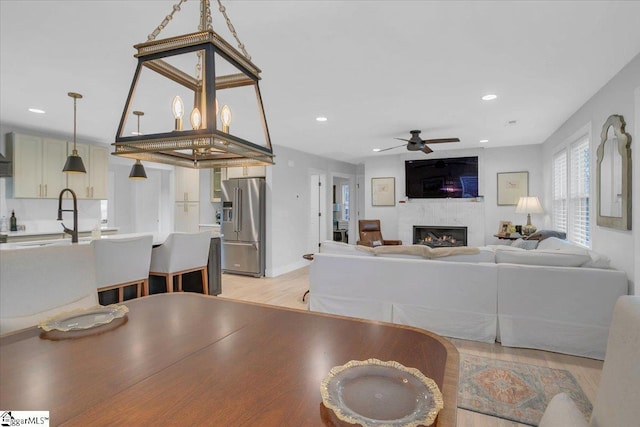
498 293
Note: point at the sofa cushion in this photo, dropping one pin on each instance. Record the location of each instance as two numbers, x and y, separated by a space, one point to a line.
596 260
525 244
331 247
552 258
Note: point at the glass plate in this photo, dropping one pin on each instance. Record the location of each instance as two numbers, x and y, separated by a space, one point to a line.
377 393
84 318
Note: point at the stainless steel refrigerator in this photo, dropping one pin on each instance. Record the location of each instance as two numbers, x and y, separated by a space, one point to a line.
243 226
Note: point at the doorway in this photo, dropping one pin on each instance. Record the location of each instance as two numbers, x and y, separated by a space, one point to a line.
341 209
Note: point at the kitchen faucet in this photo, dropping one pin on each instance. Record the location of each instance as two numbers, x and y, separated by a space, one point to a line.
74 232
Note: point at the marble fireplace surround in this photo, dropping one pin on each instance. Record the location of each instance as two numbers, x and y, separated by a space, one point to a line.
446 212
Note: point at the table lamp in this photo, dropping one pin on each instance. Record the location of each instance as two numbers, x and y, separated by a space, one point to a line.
529 205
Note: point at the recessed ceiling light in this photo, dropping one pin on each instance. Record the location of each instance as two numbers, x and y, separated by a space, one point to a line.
377 149
484 140
489 97
36 110
321 119
511 123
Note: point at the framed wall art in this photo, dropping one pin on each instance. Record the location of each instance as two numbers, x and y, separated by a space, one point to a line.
383 191
512 186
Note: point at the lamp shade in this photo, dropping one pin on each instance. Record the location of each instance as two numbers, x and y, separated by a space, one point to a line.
529 205
137 171
74 164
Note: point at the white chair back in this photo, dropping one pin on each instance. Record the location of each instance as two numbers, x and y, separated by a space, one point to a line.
122 260
39 282
618 400
180 252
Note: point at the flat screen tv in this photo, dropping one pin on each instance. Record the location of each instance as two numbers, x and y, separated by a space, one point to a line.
455 177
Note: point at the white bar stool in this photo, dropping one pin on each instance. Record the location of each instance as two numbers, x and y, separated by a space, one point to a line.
123 262
181 253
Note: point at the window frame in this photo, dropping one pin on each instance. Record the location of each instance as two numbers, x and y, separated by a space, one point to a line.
583 135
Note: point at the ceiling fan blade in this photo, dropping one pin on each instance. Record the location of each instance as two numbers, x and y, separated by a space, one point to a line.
391 148
426 150
401 139
440 140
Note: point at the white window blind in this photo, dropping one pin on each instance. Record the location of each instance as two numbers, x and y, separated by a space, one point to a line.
579 224
559 208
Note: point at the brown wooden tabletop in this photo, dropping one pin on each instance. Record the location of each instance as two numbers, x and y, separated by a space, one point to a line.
191 359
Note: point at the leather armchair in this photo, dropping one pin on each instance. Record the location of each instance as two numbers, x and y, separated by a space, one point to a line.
369 230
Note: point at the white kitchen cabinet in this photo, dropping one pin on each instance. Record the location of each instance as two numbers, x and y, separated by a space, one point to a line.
217 176
246 172
93 184
187 184
37 166
187 217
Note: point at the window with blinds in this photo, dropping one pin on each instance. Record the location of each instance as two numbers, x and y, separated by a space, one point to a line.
570 192
559 192
579 230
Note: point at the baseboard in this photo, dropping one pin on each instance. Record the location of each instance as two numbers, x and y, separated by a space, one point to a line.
278 271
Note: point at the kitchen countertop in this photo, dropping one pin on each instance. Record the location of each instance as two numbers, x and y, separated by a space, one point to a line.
25 233
158 239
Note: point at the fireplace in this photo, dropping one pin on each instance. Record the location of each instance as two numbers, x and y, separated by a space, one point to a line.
439 236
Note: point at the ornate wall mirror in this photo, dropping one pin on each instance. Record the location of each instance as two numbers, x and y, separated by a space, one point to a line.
613 178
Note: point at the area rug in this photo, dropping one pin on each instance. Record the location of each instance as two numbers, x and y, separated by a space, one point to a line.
514 391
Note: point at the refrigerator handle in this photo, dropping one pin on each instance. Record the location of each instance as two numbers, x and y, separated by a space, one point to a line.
239 213
235 209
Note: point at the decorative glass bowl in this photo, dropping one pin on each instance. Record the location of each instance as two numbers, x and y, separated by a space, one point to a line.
84 318
377 393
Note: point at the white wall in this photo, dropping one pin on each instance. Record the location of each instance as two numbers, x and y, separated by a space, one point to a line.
288 205
512 159
616 97
490 162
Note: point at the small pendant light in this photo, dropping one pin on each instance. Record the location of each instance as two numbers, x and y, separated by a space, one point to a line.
74 161
137 170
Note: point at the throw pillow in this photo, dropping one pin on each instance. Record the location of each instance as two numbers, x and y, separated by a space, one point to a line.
545 234
525 244
554 243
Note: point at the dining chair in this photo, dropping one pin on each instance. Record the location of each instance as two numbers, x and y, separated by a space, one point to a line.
43 281
618 397
181 253
122 262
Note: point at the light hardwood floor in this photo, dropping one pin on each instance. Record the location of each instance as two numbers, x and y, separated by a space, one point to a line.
287 290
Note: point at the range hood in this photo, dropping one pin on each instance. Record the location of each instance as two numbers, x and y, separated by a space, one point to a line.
5 166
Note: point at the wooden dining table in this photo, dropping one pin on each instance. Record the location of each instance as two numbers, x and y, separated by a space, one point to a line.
192 359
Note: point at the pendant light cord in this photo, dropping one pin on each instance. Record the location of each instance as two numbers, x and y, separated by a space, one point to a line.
75 101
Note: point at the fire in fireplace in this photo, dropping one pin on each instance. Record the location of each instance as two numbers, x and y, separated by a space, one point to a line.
438 237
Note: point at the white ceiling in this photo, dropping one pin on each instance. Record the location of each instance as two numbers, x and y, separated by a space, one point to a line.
375 69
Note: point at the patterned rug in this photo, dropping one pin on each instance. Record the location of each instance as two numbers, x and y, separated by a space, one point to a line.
514 391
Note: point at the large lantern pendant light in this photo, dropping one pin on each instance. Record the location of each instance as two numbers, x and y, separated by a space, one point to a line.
74 161
197 71
137 170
